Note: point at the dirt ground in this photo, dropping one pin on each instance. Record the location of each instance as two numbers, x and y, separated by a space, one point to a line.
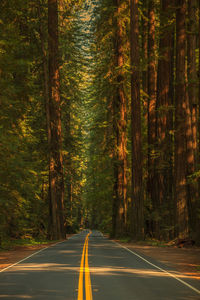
8 258
184 260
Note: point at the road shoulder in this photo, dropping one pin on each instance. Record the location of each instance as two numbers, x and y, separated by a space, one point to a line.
184 260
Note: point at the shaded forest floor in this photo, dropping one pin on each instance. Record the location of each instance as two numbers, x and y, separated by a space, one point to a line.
9 257
184 262
19 252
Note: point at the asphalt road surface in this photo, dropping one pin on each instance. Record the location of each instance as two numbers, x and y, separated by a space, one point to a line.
90 267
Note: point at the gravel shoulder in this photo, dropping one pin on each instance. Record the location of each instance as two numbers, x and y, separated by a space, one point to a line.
183 260
10 257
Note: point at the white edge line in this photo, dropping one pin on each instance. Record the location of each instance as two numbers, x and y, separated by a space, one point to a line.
170 274
18 262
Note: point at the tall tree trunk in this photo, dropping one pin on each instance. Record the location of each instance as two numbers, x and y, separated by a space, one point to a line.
192 136
180 122
145 57
192 72
68 166
121 125
152 82
164 117
172 128
56 164
45 73
137 220
46 99
198 202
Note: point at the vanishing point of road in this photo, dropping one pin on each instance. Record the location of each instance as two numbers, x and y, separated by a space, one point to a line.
88 266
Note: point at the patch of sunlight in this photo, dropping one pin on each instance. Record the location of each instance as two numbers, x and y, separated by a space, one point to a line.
67 251
16 296
112 271
46 266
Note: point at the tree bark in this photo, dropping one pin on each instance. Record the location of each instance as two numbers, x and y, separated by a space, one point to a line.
56 164
120 127
164 117
198 202
192 72
137 218
67 159
152 90
45 73
47 106
192 136
145 57
180 122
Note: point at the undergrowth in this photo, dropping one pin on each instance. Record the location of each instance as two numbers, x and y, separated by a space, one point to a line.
28 241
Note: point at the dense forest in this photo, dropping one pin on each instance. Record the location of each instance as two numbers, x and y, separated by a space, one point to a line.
100 118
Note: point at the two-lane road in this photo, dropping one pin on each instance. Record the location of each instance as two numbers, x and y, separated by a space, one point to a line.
90 267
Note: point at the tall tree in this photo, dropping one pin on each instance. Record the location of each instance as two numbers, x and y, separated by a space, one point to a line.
165 115
198 202
144 33
192 70
192 133
45 69
137 218
23 158
56 163
152 90
120 119
180 122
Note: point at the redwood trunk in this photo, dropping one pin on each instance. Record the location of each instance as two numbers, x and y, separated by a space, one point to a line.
56 164
120 128
47 107
145 57
192 72
180 122
152 89
45 73
164 117
198 202
192 137
137 220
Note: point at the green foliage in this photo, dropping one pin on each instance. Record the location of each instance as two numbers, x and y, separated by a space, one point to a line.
22 127
198 268
125 239
26 241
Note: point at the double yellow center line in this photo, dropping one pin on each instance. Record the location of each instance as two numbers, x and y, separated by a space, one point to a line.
85 270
